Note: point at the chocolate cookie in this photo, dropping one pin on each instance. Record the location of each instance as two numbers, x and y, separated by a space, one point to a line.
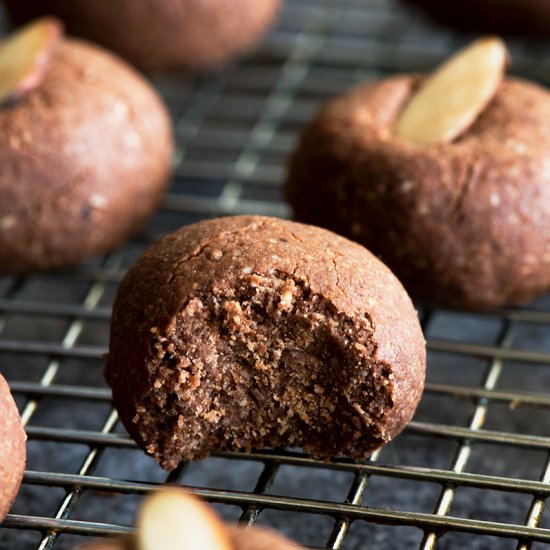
530 18
258 538
85 156
161 34
241 538
251 332
119 543
12 449
171 515
465 223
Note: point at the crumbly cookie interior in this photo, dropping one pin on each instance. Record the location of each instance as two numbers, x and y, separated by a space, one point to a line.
265 362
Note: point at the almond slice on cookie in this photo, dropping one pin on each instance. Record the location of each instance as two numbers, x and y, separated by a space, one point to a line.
25 57
172 519
455 94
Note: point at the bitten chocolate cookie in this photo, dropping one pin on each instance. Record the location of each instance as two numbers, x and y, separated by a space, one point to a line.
530 18
161 34
251 332
12 449
462 218
85 150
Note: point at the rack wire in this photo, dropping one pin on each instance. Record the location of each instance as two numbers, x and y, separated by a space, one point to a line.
472 469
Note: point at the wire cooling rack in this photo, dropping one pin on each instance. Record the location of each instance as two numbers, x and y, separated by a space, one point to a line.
472 469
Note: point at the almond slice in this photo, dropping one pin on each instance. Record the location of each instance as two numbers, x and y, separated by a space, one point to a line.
172 519
26 55
452 97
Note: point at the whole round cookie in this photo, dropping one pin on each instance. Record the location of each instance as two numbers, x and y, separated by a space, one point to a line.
464 223
529 18
12 449
251 332
85 149
161 34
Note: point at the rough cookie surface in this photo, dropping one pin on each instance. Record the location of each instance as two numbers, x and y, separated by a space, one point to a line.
465 224
248 332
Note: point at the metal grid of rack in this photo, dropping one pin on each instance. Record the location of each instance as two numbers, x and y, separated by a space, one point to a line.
472 469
